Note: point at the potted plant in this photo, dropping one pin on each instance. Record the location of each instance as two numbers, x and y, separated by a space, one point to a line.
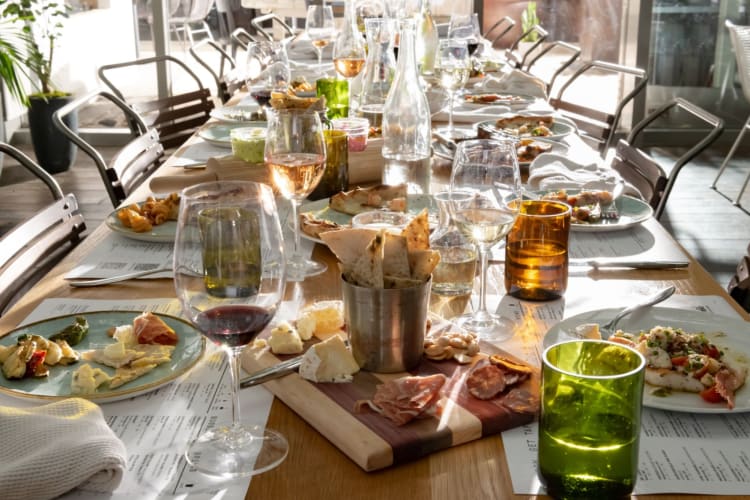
528 20
39 25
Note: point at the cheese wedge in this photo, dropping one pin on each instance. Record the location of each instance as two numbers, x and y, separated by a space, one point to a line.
328 361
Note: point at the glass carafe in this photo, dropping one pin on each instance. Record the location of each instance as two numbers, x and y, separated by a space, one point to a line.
454 275
380 68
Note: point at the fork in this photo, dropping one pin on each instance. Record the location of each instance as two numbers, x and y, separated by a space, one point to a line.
610 211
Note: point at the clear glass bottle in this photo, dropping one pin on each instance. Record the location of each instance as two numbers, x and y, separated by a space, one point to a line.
454 275
349 53
379 71
427 40
406 121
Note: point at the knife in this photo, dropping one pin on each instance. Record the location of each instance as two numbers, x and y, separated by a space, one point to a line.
631 264
272 372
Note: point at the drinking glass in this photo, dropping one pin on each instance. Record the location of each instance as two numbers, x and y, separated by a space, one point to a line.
229 278
465 27
295 153
267 70
487 169
320 27
452 68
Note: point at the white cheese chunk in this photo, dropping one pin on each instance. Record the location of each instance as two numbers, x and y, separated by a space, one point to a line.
328 361
329 317
588 331
87 379
306 325
285 340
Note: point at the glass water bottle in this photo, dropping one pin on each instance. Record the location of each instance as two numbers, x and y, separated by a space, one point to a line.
454 275
379 71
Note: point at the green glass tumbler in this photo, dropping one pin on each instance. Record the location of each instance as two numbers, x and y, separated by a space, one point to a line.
336 92
590 419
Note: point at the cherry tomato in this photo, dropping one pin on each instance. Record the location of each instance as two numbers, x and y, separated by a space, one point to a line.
711 395
33 365
679 361
711 351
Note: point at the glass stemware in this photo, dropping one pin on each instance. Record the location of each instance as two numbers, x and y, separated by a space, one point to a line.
229 278
349 52
452 68
465 27
295 153
487 170
267 70
320 28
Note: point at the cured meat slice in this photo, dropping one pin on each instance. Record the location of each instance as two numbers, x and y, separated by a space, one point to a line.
151 329
404 399
486 382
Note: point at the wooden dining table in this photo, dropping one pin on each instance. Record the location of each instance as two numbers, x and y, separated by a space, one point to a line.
315 468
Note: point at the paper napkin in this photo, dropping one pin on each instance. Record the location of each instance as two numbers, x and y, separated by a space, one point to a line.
516 82
550 171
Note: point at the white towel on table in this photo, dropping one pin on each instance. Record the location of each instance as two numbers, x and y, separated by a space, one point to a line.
516 82
466 114
51 449
550 172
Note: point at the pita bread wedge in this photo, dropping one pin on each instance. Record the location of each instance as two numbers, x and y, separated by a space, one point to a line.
368 269
417 232
348 245
422 263
396 257
398 282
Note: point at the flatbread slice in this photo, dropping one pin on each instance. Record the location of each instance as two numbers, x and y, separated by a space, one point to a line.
422 263
417 232
368 269
361 200
348 245
396 257
125 374
314 227
398 282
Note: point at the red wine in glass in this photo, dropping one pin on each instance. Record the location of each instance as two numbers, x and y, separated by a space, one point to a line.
234 325
472 45
261 96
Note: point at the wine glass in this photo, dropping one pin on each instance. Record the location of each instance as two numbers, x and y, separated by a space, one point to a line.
295 153
465 27
320 27
267 70
452 67
229 278
349 55
487 169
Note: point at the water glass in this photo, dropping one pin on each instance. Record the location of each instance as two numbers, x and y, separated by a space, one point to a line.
590 419
536 251
336 92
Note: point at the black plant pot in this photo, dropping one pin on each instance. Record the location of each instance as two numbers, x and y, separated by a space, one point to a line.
54 152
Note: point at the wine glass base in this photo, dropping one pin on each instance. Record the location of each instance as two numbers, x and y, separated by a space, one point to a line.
299 270
456 133
487 326
237 451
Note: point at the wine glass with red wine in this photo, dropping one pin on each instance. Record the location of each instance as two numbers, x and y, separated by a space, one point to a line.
266 70
465 27
229 272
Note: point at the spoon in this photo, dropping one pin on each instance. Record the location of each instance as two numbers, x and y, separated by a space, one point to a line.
121 277
608 328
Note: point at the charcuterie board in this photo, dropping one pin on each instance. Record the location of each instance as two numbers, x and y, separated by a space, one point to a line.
372 441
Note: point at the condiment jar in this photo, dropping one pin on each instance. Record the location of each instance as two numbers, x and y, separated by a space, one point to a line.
356 130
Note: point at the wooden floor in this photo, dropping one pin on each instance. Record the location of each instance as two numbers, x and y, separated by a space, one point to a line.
706 223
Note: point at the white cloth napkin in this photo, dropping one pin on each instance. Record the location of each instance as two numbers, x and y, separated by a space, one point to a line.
550 171
516 82
198 154
470 114
50 449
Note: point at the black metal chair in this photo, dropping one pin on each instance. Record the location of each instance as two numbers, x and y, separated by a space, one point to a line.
31 248
739 285
687 109
127 169
501 27
267 33
565 52
228 80
596 125
175 117
517 58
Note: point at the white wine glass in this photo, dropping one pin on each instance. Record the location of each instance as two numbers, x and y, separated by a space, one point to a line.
452 68
487 170
295 154
229 278
320 28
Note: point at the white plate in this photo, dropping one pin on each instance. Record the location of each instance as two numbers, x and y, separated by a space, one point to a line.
560 130
235 114
730 334
321 210
163 233
633 212
218 135
186 354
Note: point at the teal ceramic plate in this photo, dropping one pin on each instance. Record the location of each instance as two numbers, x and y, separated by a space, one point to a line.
218 135
319 208
732 335
632 212
236 114
163 233
186 354
560 130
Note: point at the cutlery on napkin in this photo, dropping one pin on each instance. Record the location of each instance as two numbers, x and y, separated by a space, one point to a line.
51 449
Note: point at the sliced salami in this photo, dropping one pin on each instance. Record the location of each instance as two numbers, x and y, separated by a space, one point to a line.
486 381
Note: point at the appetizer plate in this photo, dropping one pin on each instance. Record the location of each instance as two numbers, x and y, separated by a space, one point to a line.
56 385
731 335
163 233
560 129
218 135
506 99
633 211
444 151
321 210
236 114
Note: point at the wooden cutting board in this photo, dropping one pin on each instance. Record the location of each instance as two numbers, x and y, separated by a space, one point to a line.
372 441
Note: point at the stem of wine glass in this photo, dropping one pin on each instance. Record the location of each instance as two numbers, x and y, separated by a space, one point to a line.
450 112
350 112
234 366
320 55
483 261
295 225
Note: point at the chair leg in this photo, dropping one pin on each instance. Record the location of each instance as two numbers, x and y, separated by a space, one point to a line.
742 190
729 156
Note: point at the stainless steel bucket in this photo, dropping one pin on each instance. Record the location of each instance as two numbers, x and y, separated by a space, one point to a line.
386 326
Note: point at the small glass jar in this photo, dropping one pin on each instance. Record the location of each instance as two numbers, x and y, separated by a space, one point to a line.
454 275
248 143
381 219
356 129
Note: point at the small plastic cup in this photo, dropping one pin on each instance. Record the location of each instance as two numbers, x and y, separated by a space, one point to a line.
381 219
356 129
248 143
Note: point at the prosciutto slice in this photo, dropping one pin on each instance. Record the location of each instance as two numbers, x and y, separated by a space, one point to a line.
151 329
404 399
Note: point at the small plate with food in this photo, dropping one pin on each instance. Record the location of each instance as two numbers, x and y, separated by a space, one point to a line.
336 212
220 134
102 356
692 357
484 98
154 220
529 148
526 126
588 207
239 114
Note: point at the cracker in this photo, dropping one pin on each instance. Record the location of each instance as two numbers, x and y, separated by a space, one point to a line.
422 263
396 257
348 245
417 232
368 269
